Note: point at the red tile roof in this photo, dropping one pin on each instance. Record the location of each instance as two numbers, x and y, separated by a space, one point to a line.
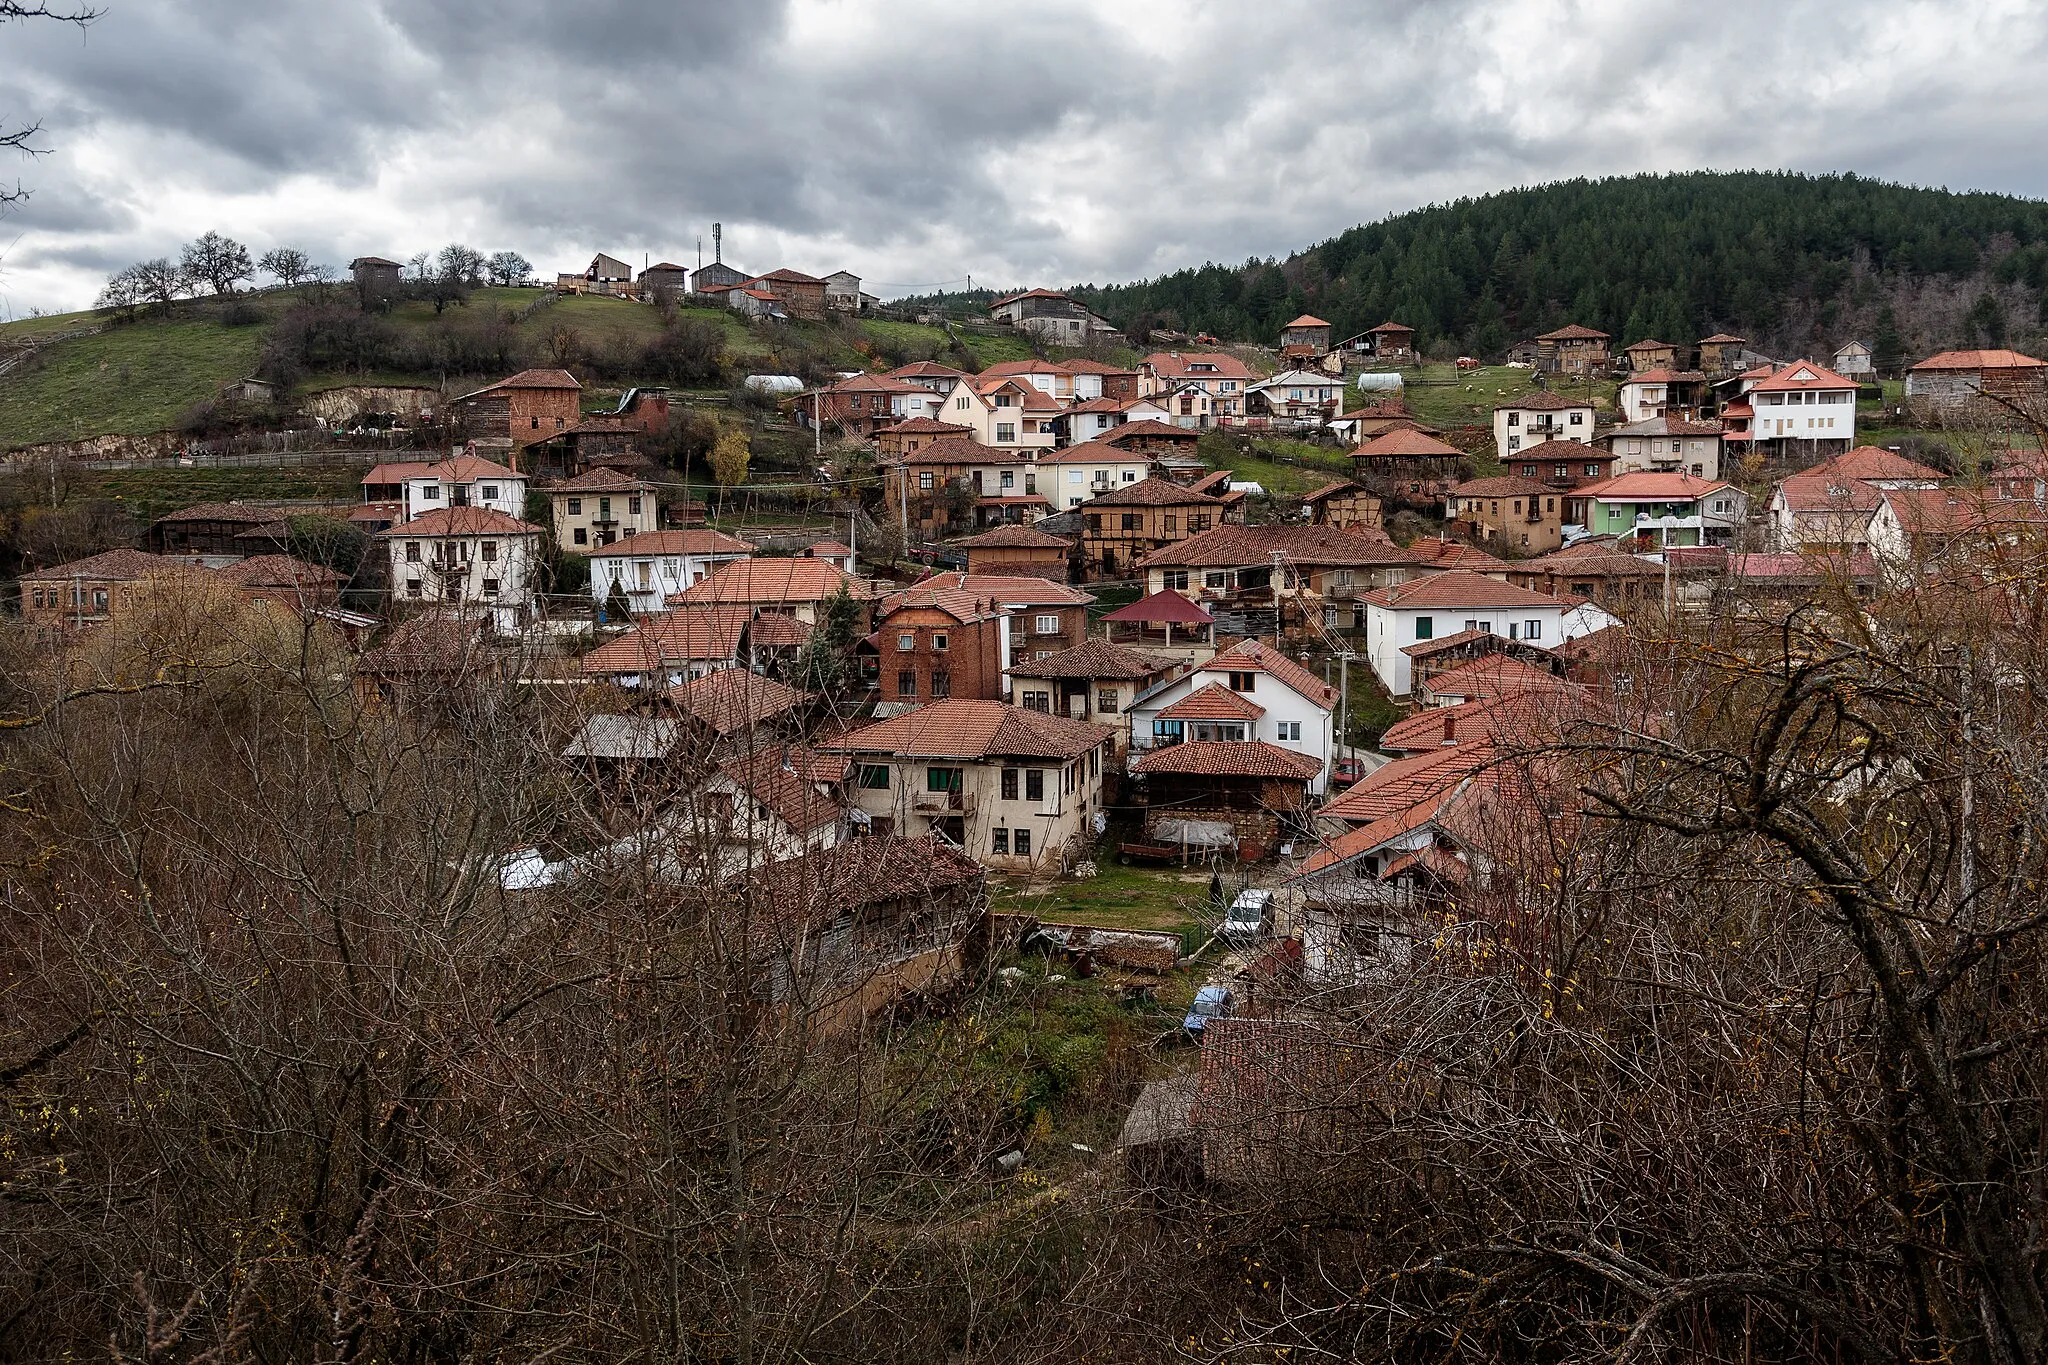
1306 546
1874 462
1648 485
1662 376
111 566
777 630
768 582
973 729
1230 758
1175 365
1648 344
1165 606
398 473
1153 492
239 513
687 634
1305 320
1981 360
1542 400
601 480
1389 326
1721 339
729 699
1251 654
1800 376
1151 429
1405 782
462 521
964 607
1083 365
1027 294
1456 588
1493 675
1092 658
925 426
1402 443
1573 332
1441 553
1213 701
783 780
701 541
528 379
1101 448
1019 590
963 450
1500 486
1013 538
278 571
926 369
1367 838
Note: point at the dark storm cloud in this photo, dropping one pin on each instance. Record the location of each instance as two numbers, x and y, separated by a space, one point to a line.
918 141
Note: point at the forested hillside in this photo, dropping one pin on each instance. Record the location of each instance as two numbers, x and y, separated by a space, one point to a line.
1794 262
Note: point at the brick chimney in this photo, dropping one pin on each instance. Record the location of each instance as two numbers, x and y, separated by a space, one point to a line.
1450 729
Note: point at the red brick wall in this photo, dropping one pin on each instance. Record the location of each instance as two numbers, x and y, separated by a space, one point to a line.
971 659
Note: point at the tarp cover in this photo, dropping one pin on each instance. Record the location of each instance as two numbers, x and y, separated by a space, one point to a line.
1195 833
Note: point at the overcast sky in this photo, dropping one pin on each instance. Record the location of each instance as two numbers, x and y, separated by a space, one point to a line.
919 143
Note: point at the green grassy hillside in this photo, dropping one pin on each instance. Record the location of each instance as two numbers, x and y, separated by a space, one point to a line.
138 377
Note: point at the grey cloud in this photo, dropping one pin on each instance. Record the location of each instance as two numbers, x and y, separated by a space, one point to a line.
1056 141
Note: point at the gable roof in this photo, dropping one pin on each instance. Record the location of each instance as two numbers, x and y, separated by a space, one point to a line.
1721 339
1873 462
767 581
697 541
1664 376
1802 375
224 511
1305 320
277 571
528 379
1543 400
1165 605
110 566
683 635
1151 492
462 521
1404 783
1229 758
974 729
1151 428
1027 294
782 780
1083 365
926 369
1492 675
1405 443
1179 365
1647 344
924 426
1573 332
729 699
1649 485
1456 588
1093 658
1024 590
1014 537
1500 486
963 450
601 480
1980 360
1101 448
1311 546
1443 553
1213 701
1253 655
964 607
1662 426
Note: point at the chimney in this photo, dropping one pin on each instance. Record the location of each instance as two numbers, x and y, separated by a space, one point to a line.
1450 729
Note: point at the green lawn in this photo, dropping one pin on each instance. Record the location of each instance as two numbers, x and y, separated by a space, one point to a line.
48 323
1447 397
129 380
151 492
1120 897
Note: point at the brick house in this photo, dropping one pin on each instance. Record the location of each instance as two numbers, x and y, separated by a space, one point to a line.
1124 525
803 295
1095 680
935 643
531 406
1508 510
1045 617
867 403
93 590
914 434
995 485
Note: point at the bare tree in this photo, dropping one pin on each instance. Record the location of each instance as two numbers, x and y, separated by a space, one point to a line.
218 261
160 281
22 139
288 265
508 268
461 263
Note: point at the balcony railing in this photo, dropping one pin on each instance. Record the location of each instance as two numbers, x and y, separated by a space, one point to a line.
959 803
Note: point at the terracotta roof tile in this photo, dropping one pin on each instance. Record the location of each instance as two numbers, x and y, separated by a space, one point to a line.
1092 658
1454 589
601 480
1019 590
1542 400
769 582
1230 758
699 541
1153 492
1440 553
729 699
225 511
1647 485
462 521
1163 606
1402 443
111 566
1013 538
1252 654
1981 360
1307 546
686 634
1573 332
1405 782
278 571
1213 701
785 781
974 729
1150 429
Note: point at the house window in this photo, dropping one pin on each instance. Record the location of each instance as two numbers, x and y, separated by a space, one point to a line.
1021 839
942 779
1009 784
491 492
924 480
1176 579
874 776
1172 524
431 493
1514 443
1578 419
575 507
536 424
906 682
942 683
1130 521
1216 579
1094 521
412 552
1006 431
1009 479
999 842
412 587
1344 578
1532 630
906 642
1045 625
1514 419
1197 521
1290 730
1034 784
939 640
634 504
1105 700
490 551
582 536
1592 471
1243 682
961 402
559 424
1528 471
490 587
99 599
1425 627
1038 701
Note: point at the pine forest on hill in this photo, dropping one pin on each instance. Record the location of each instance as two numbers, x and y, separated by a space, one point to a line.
1796 263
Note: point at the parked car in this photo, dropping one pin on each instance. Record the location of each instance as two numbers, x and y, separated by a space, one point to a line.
1349 770
1245 921
1211 1002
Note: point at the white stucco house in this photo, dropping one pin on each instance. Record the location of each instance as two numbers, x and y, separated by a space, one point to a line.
1249 692
1446 604
1537 417
654 566
470 557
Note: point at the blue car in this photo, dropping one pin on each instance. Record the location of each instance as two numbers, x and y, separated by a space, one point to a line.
1211 1002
